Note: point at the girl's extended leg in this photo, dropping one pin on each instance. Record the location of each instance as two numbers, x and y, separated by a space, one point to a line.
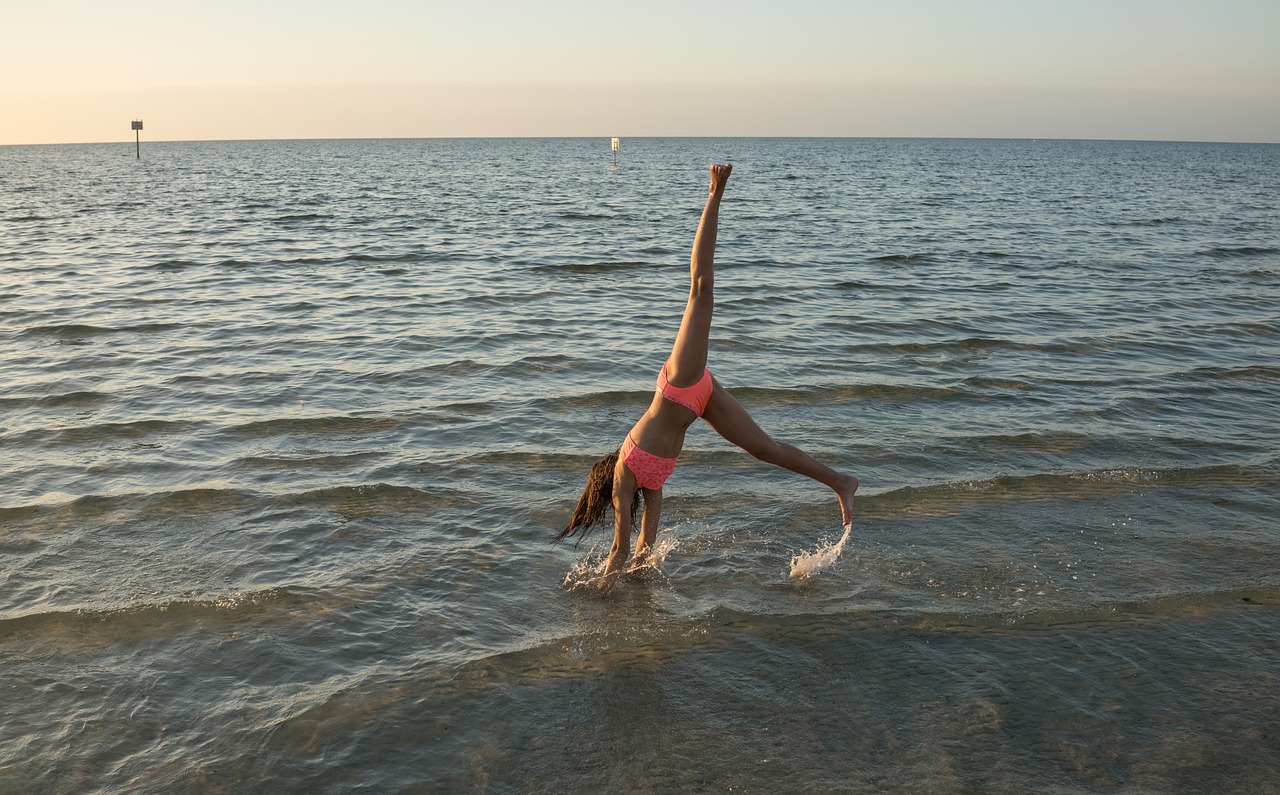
731 420
689 354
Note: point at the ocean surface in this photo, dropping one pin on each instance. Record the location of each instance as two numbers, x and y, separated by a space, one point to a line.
287 427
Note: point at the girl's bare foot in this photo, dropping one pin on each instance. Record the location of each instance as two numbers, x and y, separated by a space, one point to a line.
845 493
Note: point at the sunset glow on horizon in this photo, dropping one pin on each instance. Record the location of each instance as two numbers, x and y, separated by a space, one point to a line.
78 71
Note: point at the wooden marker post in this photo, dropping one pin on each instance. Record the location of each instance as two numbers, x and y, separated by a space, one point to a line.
137 136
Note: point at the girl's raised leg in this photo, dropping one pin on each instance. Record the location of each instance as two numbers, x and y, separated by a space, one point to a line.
731 420
689 354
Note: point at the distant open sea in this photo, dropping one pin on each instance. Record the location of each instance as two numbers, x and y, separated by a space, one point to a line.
287 427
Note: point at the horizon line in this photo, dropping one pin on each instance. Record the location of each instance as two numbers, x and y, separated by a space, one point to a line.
660 137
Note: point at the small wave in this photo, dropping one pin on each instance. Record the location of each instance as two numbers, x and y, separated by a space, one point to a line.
988 382
528 461
536 367
1233 252
1083 345
170 265
19 513
844 393
1258 274
1043 442
1247 329
93 624
149 328
409 256
98 433
299 306
962 344
865 286
374 499
323 462
904 258
302 217
66 331
183 502
594 267
594 400
1255 373
76 399
379 499
459 368
944 499
574 215
774 305
355 426
78 331
503 300
1144 222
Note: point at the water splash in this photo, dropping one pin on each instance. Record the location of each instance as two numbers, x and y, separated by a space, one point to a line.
806 564
588 571
658 553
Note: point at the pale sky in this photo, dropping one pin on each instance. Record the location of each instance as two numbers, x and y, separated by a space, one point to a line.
80 70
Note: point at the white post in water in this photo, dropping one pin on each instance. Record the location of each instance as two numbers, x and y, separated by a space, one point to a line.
615 151
137 137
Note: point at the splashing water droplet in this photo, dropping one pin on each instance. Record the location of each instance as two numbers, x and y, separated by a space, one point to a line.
806 564
586 571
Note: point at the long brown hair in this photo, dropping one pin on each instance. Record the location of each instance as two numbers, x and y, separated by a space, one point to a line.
596 500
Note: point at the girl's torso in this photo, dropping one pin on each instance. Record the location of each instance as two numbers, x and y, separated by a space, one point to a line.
673 409
662 428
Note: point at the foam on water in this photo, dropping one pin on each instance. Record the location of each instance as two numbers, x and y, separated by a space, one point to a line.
807 564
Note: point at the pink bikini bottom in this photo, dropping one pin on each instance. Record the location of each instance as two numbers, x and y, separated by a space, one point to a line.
651 470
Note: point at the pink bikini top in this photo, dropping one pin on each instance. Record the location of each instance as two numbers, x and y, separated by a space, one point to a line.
693 397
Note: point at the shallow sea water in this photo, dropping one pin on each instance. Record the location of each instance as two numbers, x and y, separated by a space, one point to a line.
286 429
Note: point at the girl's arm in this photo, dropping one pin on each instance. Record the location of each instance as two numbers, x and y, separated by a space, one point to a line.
648 525
621 536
